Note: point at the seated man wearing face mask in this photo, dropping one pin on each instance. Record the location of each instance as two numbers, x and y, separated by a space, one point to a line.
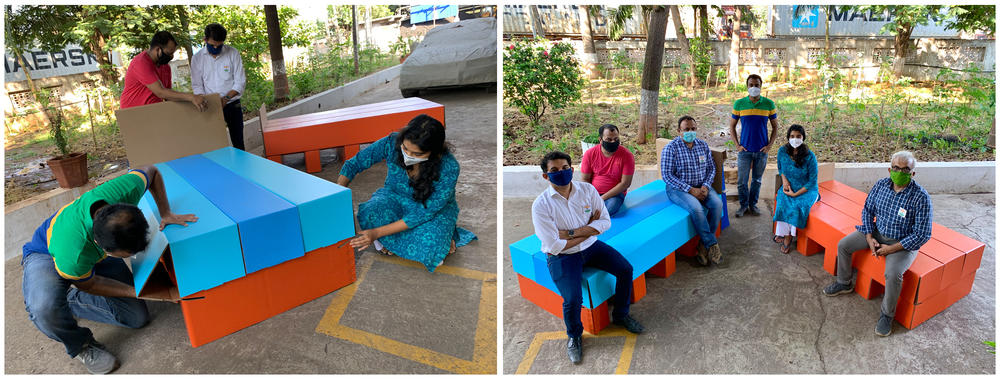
567 217
686 165
609 167
148 80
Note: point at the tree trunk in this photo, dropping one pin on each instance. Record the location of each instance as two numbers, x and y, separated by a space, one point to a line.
827 33
354 39
277 56
186 26
734 50
652 66
537 29
675 15
704 24
336 26
902 44
589 60
368 24
98 44
27 73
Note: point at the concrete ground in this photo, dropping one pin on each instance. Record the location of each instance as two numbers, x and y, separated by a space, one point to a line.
763 313
396 318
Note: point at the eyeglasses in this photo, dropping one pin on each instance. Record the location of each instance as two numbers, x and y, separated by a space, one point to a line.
905 170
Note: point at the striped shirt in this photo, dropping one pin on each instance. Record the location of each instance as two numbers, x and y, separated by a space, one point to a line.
753 119
904 216
682 167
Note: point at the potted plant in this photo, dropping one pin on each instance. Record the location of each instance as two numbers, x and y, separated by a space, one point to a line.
589 141
70 169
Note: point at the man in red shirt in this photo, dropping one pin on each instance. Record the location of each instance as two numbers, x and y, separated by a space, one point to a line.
147 80
609 167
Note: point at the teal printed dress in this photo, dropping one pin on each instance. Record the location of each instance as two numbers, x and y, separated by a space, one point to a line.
795 210
432 224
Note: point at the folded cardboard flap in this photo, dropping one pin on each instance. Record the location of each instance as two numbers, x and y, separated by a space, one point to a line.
169 130
160 284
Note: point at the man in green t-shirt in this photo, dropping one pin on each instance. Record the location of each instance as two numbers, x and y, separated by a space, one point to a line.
753 113
68 273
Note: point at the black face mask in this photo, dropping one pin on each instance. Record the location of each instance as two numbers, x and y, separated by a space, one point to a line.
611 147
164 58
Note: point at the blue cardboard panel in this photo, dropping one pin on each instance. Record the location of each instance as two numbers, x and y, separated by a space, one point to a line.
325 209
725 212
144 261
205 253
520 255
269 227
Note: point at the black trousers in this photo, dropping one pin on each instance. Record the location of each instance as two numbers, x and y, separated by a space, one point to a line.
233 113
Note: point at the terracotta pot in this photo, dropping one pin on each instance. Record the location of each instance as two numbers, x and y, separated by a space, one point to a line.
70 170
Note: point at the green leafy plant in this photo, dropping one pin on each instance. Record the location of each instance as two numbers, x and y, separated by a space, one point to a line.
54 112
992 345
702 54
538 75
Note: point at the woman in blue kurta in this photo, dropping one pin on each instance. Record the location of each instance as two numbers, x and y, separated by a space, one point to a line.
414 214
797 166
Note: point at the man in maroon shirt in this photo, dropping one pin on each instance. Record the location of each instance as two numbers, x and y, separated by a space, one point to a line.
147 80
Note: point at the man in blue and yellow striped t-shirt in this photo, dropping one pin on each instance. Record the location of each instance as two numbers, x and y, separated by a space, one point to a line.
73 266
753 113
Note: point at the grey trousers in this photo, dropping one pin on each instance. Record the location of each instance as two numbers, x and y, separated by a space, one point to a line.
895 265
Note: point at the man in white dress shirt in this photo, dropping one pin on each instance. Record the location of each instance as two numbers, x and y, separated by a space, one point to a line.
218 68
567 217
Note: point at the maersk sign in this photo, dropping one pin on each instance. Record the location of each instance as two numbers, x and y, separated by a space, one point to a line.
43 64
844 22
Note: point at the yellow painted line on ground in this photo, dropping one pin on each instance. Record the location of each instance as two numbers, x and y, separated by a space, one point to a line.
484 350
624 361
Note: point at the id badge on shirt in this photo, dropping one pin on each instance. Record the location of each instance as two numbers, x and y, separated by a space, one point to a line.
901 212
701 159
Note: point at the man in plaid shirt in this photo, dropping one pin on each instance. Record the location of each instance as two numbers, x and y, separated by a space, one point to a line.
895 222
686 165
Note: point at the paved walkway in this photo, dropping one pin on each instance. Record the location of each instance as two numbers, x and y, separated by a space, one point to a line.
396 318
763 314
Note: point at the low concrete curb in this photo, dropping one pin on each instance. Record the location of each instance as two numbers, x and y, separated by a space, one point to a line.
935 177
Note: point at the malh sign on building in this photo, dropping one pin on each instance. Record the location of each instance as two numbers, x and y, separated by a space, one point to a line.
844 22
43 64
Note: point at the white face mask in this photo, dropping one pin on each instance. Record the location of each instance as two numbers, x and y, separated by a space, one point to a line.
753 91
795 142
408 160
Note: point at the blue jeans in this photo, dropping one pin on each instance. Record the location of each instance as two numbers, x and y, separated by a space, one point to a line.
567 270
745 163
52 303
614 204
705 215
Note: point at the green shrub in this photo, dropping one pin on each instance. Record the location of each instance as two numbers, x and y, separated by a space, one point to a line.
538 75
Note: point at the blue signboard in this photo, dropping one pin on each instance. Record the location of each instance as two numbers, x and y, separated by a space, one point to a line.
425 13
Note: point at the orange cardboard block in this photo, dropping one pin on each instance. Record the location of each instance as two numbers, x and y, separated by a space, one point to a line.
845 191
593 319
665 268
214 313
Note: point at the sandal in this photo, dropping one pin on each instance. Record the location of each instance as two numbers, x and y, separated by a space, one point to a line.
452 248
384 251
779 239
786 248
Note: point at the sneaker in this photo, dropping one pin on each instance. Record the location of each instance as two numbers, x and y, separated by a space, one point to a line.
97 358
629 324
754 211
836 289
702 256
575 349
741 211
715 254
883 327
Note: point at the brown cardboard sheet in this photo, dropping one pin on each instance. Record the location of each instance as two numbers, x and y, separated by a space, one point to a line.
169 130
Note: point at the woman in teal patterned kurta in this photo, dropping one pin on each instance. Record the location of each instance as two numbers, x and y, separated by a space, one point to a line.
797 166
414 214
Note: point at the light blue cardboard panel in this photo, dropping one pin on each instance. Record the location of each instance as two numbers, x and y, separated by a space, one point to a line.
269 227
520 256
205 253
656 237
601 286
144 261
325 209
725 212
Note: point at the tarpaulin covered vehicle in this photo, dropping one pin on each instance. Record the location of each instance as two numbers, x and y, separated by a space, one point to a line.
451 55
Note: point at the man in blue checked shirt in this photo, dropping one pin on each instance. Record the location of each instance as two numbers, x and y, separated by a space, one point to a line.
686 165
895 222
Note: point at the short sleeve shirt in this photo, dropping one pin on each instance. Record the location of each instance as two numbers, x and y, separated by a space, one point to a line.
70 236
607 171
754 118
142 71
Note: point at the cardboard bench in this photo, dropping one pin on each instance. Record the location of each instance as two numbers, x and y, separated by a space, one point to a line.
942 273
647 233
345 127
250 210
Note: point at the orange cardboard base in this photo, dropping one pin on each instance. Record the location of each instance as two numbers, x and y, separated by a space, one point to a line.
223 310
665 268
593 319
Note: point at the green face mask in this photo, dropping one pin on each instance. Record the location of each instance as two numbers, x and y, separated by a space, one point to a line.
901 179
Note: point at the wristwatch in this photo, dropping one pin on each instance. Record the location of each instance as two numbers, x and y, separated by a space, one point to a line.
570 233
227 98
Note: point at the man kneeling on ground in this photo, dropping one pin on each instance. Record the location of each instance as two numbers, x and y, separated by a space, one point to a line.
567 217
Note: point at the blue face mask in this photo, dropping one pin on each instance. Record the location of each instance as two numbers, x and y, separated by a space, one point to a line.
214 50
561 178
690 136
